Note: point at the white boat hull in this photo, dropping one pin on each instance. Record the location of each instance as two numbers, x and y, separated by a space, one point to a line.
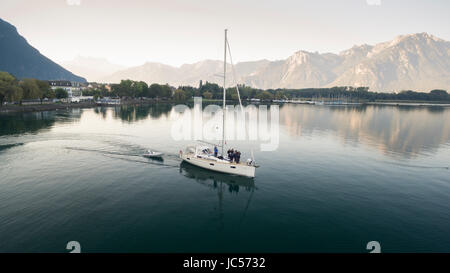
155 155
219 165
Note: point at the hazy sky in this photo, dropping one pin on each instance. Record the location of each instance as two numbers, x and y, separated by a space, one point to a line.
131 32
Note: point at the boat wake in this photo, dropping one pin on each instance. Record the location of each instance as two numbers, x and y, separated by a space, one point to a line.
149 161
421 166
133 156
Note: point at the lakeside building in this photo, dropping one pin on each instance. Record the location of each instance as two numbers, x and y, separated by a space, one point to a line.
74 90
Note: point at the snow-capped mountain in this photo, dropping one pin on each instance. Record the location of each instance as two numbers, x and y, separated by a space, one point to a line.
417 62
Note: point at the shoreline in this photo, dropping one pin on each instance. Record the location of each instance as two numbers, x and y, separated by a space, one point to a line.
5 109
409 103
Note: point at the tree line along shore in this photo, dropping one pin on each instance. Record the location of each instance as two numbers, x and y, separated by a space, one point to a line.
13 90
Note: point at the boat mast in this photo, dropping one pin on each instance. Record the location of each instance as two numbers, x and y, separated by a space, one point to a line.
224 89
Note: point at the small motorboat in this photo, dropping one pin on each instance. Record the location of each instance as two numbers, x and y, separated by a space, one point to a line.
153 154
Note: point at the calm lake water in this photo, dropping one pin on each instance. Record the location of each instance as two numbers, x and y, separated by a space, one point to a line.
341 177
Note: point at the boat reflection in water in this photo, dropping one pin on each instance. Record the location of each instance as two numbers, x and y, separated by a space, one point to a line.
221 183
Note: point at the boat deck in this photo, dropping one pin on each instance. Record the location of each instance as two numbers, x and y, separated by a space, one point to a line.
216 160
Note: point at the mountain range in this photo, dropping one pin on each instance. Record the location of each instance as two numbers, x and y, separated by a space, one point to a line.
22 60
94 69
418 62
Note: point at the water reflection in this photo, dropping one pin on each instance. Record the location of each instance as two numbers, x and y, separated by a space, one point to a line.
25 123
9 146
131 113
221 183
394 130
402 130
102 111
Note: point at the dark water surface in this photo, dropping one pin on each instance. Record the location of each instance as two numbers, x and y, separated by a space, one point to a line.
341 177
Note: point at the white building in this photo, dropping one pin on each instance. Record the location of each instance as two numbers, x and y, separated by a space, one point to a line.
74 89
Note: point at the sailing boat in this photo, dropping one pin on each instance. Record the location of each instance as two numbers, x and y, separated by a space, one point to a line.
202 156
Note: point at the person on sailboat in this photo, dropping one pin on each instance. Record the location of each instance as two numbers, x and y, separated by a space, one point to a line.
231 155
215 151
237 156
